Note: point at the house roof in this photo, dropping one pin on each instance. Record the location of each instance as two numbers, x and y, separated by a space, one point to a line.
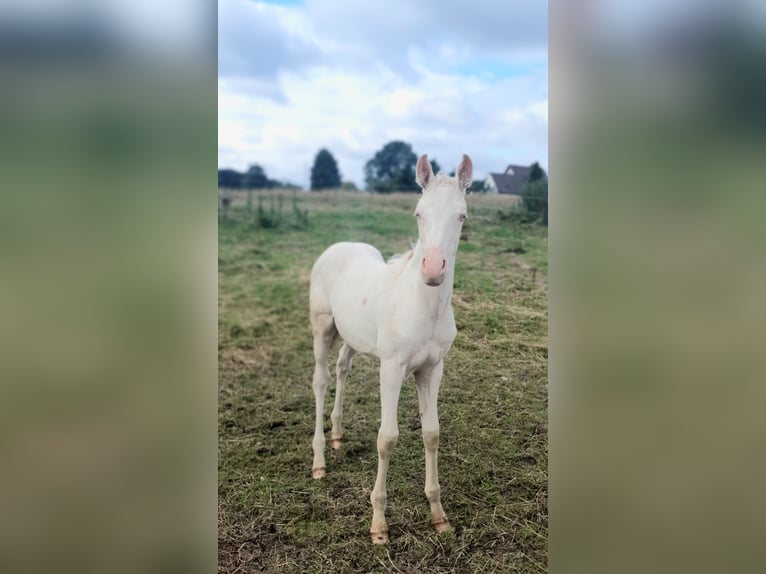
512 180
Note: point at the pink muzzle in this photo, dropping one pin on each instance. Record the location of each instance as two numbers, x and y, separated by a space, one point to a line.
433 266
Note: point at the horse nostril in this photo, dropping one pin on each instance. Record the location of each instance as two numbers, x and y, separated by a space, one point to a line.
423 263
444 263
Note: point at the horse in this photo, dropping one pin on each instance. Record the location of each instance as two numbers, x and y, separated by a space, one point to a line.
401 313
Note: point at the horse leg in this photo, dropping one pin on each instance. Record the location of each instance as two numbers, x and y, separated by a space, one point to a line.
341 370
391 378
324 331
428 381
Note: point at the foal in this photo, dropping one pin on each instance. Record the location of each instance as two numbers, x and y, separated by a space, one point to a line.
400 312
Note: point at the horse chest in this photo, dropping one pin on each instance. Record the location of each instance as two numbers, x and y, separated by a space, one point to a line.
425 342
427 355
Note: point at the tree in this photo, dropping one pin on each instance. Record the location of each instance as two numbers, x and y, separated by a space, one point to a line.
477 186
536 173
392 169
229 179
534 194
324 174
435 167
255 178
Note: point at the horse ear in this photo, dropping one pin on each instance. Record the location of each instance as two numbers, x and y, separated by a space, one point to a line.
465 172
423 173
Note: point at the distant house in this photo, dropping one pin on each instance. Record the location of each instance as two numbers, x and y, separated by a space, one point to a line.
510 182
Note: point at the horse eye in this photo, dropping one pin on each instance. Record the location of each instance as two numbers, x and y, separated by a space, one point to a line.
418 215
461 217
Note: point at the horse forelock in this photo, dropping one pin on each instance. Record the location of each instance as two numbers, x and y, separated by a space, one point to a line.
441 179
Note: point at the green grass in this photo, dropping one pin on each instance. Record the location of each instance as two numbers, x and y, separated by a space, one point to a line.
493 402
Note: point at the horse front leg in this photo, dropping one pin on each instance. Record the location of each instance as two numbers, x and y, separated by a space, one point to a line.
428 381
391 378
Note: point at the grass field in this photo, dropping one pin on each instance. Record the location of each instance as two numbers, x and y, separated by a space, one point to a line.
493 402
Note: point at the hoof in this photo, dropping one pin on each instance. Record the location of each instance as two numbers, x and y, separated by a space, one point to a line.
336 443
317 472
379 537
441 526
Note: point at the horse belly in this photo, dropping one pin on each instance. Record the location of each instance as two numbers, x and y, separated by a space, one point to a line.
354 318
354 300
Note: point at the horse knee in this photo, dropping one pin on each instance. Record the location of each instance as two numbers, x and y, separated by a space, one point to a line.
320 382
431 440
386 444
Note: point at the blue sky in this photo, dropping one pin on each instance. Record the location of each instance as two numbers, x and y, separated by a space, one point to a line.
448 77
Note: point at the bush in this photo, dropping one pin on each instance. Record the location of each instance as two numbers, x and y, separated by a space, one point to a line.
275 216
477 186
535 199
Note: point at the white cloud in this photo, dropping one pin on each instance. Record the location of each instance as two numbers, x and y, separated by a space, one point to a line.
351 97
256 39
540 109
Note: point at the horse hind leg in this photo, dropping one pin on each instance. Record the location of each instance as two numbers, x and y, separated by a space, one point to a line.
343 366
323 328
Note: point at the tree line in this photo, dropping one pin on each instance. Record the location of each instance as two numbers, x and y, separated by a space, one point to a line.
254 178
392 168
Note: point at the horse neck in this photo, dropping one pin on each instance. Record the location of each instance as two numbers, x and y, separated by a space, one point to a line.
437 298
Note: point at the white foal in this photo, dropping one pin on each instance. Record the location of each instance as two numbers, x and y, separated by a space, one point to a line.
400 312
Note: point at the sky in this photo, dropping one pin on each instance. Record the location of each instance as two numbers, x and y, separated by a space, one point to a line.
446 76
